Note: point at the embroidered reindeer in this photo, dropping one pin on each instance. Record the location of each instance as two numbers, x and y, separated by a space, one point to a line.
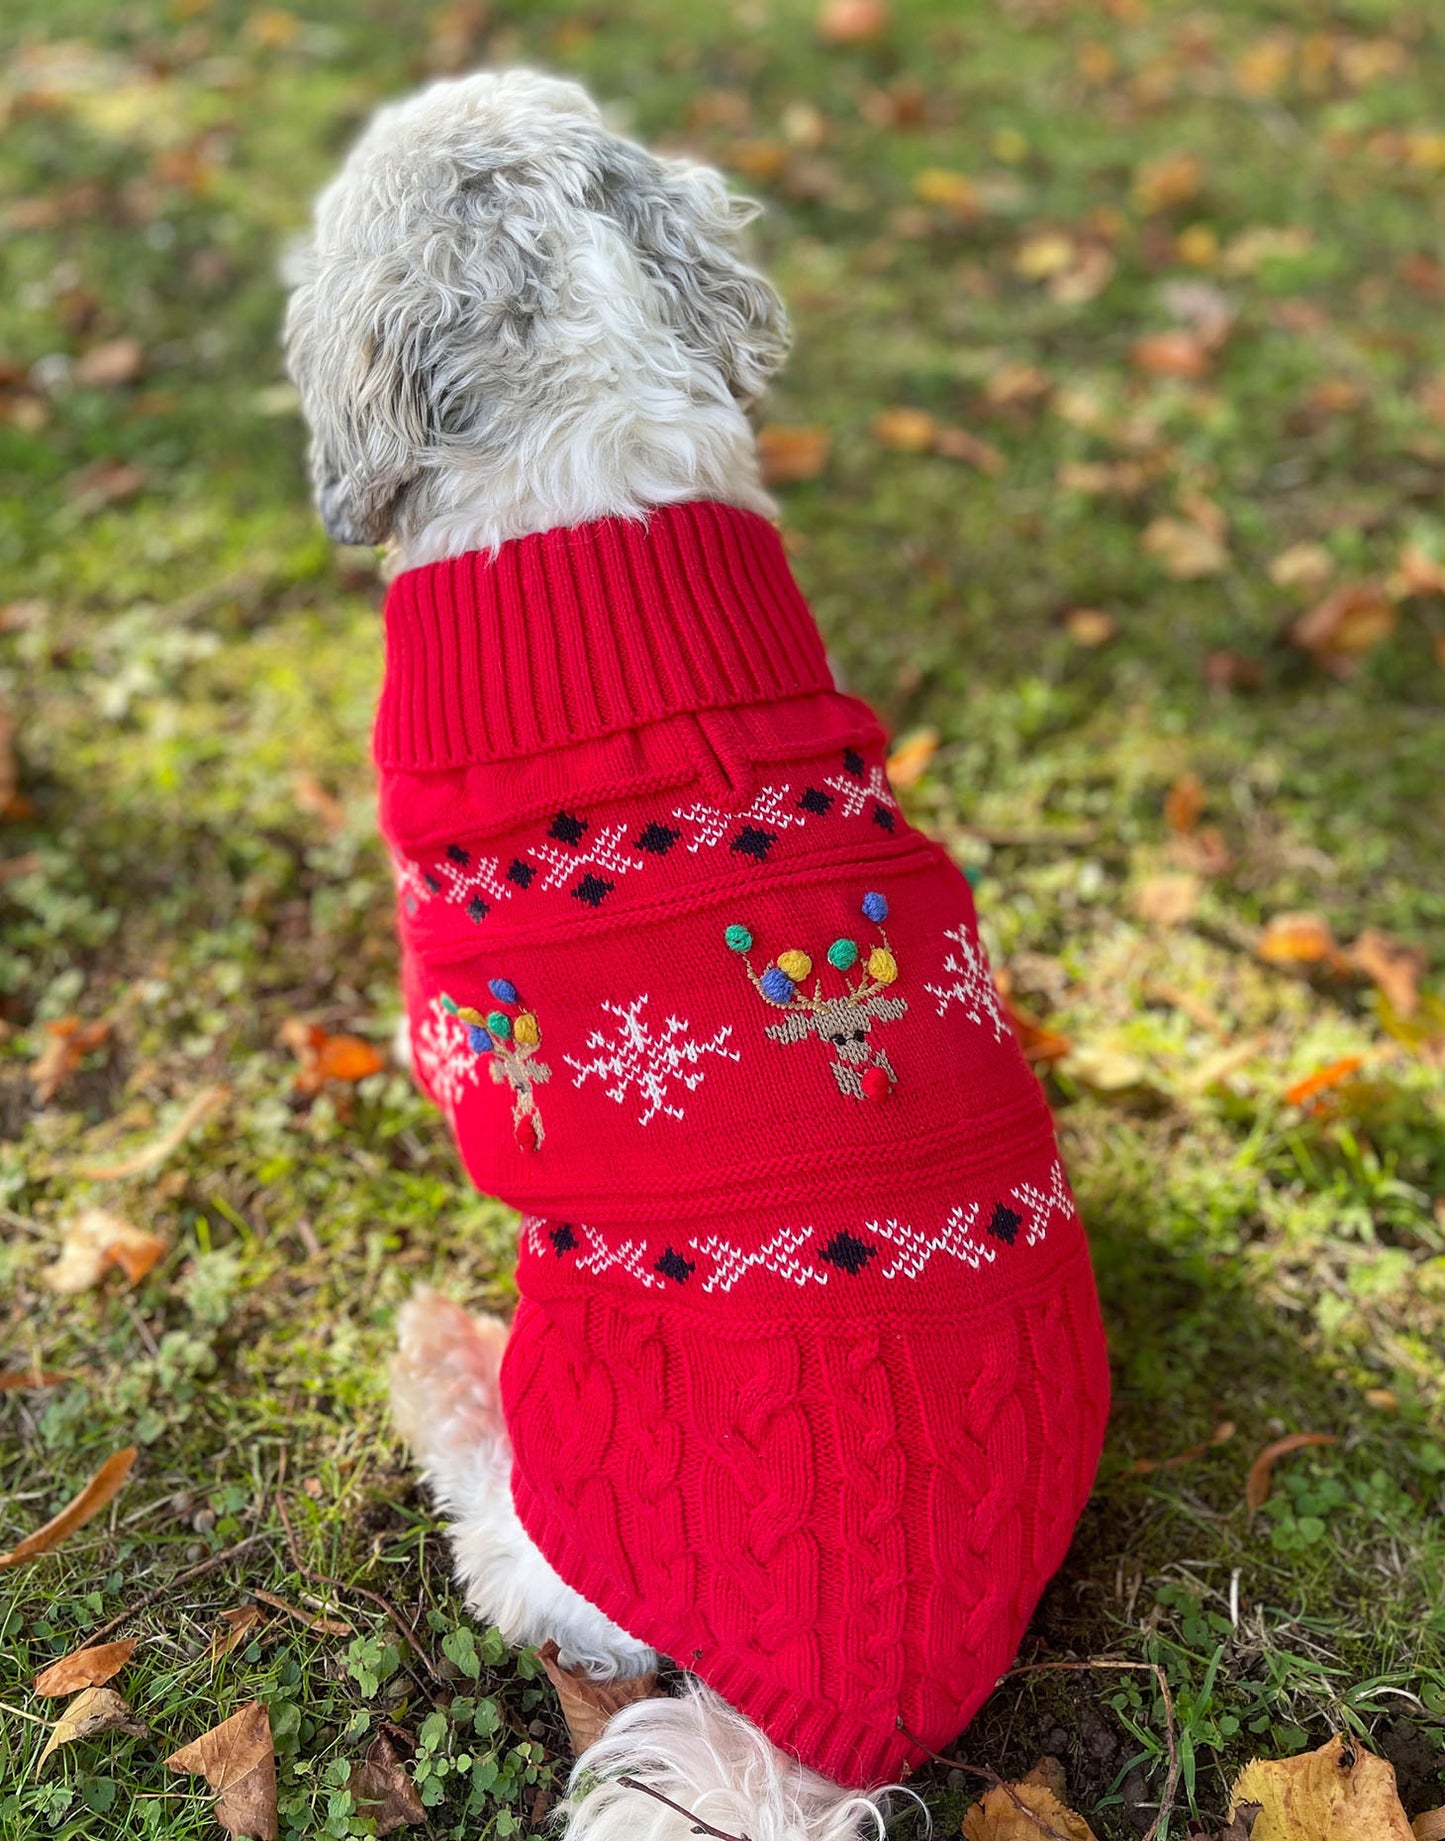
845 1025
510 1045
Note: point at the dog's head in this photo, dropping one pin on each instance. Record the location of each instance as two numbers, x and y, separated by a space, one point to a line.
498 287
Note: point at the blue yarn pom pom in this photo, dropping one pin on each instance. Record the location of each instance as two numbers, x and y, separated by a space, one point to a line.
477 1039
875 906
503 990
778 987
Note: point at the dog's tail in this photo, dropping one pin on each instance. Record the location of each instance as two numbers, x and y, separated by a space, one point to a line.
720 1770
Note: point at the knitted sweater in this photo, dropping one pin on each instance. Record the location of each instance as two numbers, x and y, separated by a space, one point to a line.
807 1383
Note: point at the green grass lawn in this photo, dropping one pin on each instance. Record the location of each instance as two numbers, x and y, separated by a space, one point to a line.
977 214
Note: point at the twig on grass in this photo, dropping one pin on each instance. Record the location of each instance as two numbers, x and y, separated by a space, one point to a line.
992 1779
184 1578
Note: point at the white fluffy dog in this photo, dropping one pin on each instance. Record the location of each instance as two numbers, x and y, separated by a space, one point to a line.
511 319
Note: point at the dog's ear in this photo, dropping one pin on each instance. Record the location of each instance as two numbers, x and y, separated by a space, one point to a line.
686 228
356 361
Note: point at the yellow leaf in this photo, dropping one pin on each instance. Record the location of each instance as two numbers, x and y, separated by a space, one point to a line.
935 185
910 757
1297 939
911 431
95 1711
1161 185
997 1817
1302 565
1090 626
1339 1793
1049 253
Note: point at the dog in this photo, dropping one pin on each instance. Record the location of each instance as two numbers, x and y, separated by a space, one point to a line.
807 1385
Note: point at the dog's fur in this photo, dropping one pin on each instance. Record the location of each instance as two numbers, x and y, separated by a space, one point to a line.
510 319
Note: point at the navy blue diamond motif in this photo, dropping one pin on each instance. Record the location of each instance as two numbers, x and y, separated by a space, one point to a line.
847 1252
458 855
674 1266
521 873
566 828
752 841
1005 1224
563 1239
477 910
883 818
593 890
853 761
816 801
432 882
656 839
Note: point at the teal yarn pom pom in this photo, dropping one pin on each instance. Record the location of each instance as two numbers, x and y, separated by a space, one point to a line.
739 939
500 1025
843 954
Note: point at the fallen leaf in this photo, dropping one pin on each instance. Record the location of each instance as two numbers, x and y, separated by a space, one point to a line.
1430 1826
313 1620
1184 803
1090 626
238 1761
1260 1481
788 456
1041 1046
1297 939
1419 573
311 796
1024 383
1321 1080
106 482
911 754
1164 184
238 1626
1384 1400
1168 900
95 1711
1339 1793
587 1704
1184 550
15 1380
85 1668
9 765
97 1241
997 1816
910 431
1251 249
1171 354
118 361
101 1490
955 191
1225 670
1391 965
70 1041
1302 565
326 1057
853 22
959 444
382 1789
1351 621
1102 1068
1085 278
1221 1435
151 1155
1044 255
1204 308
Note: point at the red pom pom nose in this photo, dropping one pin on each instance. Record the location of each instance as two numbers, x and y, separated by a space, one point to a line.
876 1083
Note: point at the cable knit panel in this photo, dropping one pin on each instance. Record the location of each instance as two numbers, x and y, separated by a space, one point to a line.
807 1384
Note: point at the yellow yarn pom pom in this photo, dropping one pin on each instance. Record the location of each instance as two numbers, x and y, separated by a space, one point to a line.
525 1029
796 964
468 1015
882 966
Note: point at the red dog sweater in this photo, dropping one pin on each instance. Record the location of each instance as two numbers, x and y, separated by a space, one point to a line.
807 1383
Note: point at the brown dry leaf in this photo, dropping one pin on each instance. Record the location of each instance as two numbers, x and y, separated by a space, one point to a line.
1021 384
911 754
1351 621
1176 353
910 431
238 1626
103 367
70 1042
997 1816
85 1668
588 1705
1225 670
1303 1091
313 1620
106 482
1184 550
1164 184
1042 1046
1260 1481
238 1761
311 796
959 444
1221 1435
1297 939
1391 965
954 191
1430 1826
1168 900
382 1789
1085 279
15 1380
97 1241
1302 565
9 765
101 1490
1184 803
788 456
1339 1793
852 22
151 1155
1090 626
1419 573
95 1711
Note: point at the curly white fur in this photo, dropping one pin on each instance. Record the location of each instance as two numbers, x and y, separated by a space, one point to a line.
509 318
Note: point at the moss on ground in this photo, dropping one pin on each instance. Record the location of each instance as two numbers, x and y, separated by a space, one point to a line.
184 662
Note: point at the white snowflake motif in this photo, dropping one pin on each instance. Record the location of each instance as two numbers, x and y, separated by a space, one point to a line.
1043 1205
713 824
444 1056
472 878
635 1056
779 1255
973 987
914 1250
410 883
855 793
604 851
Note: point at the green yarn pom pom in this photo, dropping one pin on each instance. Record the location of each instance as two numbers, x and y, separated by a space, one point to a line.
500 1025
449 1005
843 954
739 939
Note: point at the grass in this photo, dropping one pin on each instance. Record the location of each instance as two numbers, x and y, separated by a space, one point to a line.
178 662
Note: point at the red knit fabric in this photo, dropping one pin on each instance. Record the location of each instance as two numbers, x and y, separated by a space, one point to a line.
807 1383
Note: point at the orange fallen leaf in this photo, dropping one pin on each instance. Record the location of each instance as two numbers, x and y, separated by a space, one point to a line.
97 1242
1419 573
1090 627
1392 966
909 760
382 1789
853 22
1351 621
1042 1046
1171 354
959 444
791 455
85 1668
238 1761
1184 803
1221 1435
101 1490
118 361
910 431
237 1627
1162 184
1021 384
91 1713
15 1380
1298 939
1321 1080
313 1620
1260 1481
1383 1399
70 1041
326 1057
